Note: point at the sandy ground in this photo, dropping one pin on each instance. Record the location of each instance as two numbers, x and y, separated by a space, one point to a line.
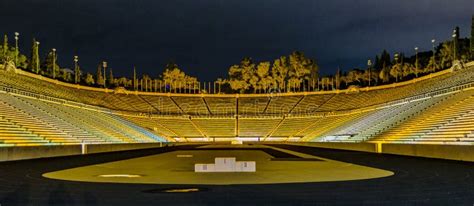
178 168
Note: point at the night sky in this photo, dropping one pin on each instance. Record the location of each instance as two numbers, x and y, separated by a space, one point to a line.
205 37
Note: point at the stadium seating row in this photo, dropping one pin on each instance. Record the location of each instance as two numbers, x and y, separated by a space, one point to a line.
435 120
449 121
198 105
27 122
381 115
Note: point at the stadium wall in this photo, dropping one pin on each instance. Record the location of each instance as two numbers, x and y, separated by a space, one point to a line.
360 147
35 152
449 152
99 148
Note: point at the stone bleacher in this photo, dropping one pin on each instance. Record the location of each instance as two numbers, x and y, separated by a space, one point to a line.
449 121
94 116
29 122
248 104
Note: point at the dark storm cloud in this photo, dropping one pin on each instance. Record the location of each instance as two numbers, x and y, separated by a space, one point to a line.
206 37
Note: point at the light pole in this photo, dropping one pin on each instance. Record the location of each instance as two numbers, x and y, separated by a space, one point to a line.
37 66
104 65
396 62
76 70
369 65
416 61
16 48
433 48
54 62
454 44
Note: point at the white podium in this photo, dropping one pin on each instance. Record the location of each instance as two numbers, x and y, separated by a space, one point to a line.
226 164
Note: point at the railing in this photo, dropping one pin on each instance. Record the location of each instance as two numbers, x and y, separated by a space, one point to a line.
211 94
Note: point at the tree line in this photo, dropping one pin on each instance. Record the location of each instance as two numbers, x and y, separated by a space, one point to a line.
292 73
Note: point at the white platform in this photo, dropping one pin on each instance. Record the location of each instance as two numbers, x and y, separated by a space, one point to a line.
226 164
237 142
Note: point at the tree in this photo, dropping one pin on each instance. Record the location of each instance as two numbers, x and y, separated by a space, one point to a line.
146 82
471 50
99 78
301 69
176 78
235 78
77 70
288 73
89 79
375 76
48 65
280 72
456 44
293 83
446 54
135 81
7 54
377 62
407 69
111 80
463 49
338 79
417 66
313 67
384 59
325 82
66 74
249 72
296 71
220 82
370 75
77 74
384 75
243 76
5 48
123 81
34 58
265 80
432 66
396 71
355 75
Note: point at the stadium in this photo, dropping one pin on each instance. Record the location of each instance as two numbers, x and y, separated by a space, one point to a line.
96 143
274 130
